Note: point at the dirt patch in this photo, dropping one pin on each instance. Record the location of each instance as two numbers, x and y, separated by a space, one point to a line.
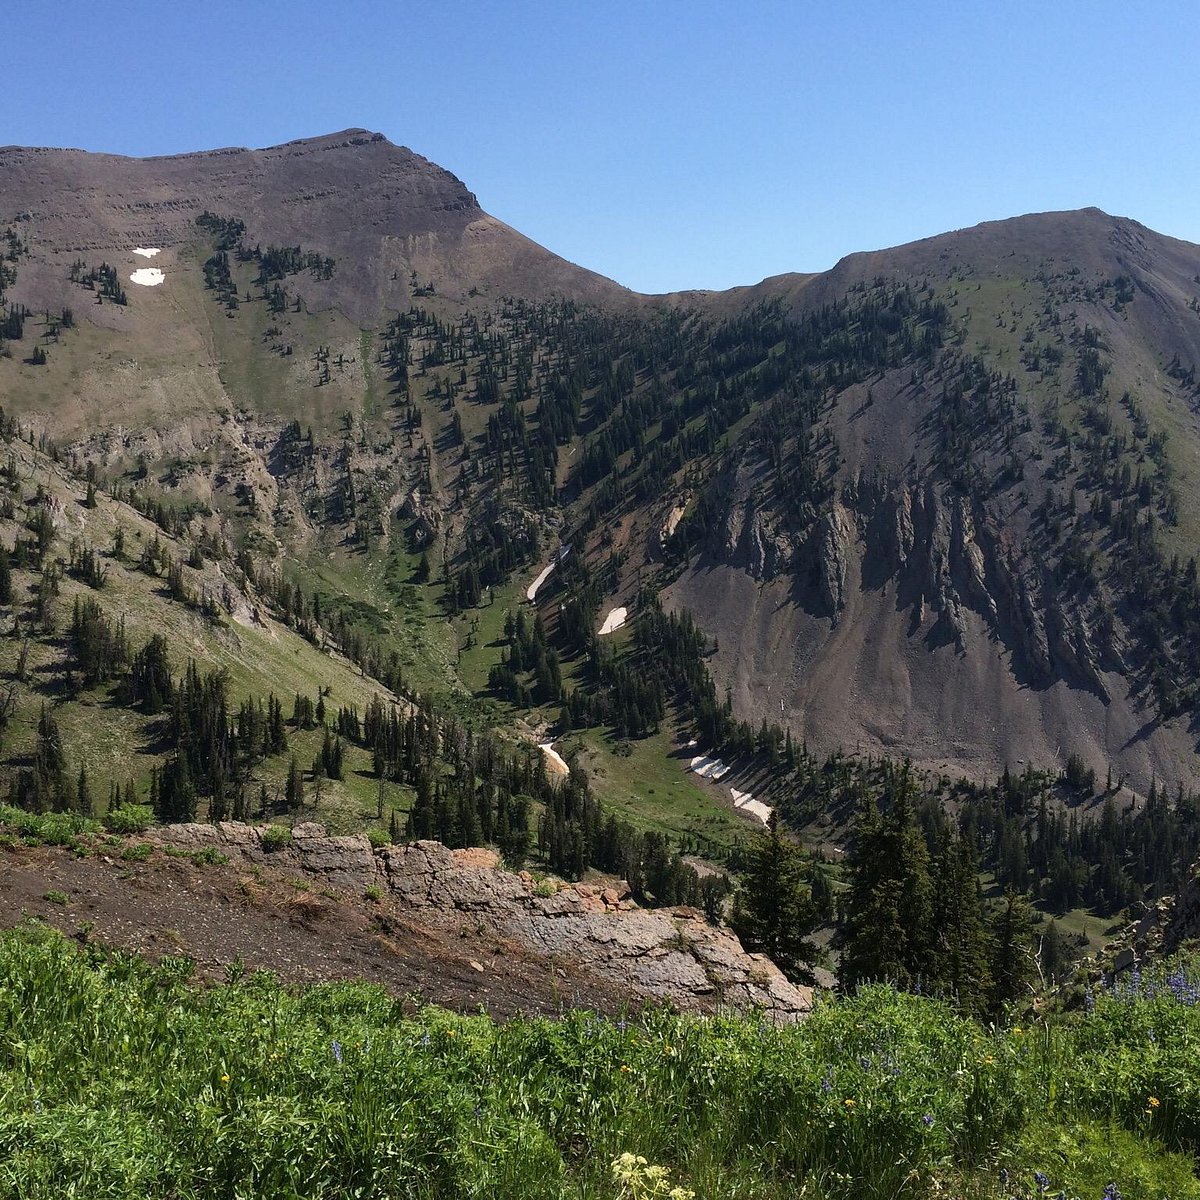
219 915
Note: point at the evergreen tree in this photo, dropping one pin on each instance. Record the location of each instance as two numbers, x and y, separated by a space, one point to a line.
961 945
773 911
293 793
1013 966
887 933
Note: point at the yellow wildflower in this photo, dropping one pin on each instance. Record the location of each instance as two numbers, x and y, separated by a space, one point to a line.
849 1103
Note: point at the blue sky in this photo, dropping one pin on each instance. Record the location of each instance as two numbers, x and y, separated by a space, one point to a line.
665 144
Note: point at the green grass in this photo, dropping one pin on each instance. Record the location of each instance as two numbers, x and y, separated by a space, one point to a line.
122 1080
651 788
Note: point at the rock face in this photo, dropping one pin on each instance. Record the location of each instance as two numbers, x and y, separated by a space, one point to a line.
908 617
672 954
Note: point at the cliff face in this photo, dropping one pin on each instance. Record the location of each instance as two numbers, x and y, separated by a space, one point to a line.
661 954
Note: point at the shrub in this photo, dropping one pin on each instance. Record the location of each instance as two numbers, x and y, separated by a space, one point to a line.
276 837
129 818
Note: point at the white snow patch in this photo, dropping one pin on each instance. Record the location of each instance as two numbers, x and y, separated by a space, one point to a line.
147 251
614 620
714 768
532 590
708 768
747 803
147 276
554 760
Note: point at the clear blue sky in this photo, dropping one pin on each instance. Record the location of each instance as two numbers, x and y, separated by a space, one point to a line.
665 144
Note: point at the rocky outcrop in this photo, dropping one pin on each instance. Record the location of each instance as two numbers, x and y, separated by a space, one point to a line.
672 954
836 534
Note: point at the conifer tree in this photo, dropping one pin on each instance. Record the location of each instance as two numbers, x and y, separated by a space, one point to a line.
1013 966
773 911
887 932
961 944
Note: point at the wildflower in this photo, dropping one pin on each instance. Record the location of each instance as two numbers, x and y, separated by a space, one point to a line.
848 1103
928 1119
337 1051
1089 1000
37 1107
1112 1192
624 1069
1152 1105
1043 1182
827 1081
478 1112
224 1078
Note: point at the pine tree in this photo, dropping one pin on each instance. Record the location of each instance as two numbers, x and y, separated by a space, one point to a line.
887 932
293 793
773 911
1052 954
961 944
1013 966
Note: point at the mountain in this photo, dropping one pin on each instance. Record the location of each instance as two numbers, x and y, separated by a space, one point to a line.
939 501
926 612
380 209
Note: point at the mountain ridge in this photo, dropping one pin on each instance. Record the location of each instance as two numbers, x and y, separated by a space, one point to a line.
1029 358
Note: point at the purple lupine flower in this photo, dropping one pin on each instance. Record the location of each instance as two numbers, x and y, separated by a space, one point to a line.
1042 1180
1089 1001
928 1119
337 1051
1112 1192
827 1081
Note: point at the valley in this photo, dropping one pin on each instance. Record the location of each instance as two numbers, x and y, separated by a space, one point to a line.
341 524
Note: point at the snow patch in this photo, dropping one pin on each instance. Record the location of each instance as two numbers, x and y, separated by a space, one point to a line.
714 769
147 251
532 590
147 276
747 803
615 619
708 768
554 760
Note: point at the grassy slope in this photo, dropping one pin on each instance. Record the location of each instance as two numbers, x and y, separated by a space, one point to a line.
248 1088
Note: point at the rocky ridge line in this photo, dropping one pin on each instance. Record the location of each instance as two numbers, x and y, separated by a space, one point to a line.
671 953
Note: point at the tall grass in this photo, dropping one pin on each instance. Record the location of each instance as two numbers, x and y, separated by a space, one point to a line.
121 1079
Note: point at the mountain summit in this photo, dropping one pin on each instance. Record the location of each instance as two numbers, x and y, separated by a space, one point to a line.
364 200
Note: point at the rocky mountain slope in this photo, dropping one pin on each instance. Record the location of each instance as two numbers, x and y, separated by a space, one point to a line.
381 210
939 501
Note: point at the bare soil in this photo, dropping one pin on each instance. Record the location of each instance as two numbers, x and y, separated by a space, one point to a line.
220 915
